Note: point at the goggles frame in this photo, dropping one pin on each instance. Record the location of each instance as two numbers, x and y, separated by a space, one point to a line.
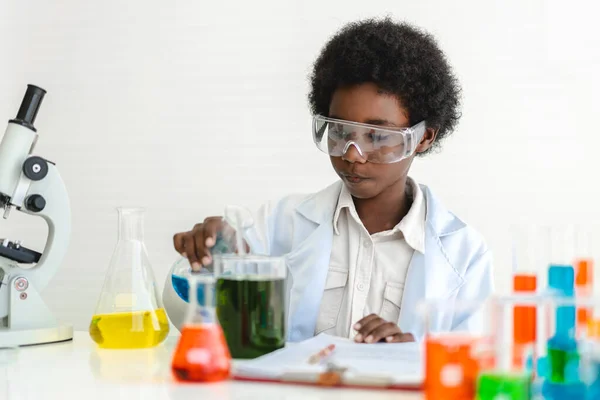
411 137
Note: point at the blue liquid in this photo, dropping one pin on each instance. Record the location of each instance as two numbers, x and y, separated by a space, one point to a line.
594 388
182 267
182 288
564 391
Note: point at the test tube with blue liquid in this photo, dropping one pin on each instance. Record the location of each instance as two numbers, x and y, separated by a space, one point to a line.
560 368
573 374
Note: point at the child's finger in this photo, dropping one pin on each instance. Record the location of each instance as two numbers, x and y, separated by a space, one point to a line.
364 321
382 331
211 226
406 337
190 249
178 243
367 328
400 338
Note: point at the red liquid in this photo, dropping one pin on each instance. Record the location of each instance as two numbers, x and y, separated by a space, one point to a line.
583 285
524 319
452 365
201 355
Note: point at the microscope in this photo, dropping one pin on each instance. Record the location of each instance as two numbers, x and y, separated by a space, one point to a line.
32 185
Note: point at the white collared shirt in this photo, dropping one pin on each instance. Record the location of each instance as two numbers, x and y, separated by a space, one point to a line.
367 272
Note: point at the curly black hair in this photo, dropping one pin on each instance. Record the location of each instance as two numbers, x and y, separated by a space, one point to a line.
401 60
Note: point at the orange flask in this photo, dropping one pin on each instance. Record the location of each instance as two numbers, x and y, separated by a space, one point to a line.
202 354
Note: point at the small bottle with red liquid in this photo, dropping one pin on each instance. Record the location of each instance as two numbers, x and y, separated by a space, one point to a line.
202 354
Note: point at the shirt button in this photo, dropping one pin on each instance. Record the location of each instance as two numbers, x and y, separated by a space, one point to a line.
360 286
366 244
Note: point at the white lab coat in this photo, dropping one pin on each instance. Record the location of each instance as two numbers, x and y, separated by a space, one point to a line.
456 267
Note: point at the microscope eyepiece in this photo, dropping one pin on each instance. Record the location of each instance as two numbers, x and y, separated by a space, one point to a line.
30 107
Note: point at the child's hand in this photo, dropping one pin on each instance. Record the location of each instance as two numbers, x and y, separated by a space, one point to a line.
372 329
195 245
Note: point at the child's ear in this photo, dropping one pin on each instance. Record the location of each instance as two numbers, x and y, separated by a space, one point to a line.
427 139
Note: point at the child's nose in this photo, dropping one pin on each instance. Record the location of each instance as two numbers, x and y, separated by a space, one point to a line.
353 153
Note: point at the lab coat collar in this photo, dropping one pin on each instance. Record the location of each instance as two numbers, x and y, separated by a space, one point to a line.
441 221
319 208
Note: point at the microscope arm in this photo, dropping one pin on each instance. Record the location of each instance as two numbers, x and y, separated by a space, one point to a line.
57 208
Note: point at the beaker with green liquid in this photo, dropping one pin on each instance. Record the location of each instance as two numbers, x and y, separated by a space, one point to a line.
129 313
251 303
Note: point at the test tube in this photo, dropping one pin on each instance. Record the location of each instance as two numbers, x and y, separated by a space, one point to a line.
506 380
584 267
456 348
562 372
561 277
527 258
590 351
560 241
527 248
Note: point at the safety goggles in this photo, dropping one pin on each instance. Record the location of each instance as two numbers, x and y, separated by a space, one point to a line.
374 143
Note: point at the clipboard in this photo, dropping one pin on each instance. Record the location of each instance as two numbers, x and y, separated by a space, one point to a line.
342 370
338 379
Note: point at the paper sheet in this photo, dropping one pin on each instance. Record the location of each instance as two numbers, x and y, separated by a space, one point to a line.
402 362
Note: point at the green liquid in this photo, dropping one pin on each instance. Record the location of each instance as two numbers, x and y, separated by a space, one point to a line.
502 385
558 360
251 311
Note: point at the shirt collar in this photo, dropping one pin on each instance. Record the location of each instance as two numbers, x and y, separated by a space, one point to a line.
344 201
412 226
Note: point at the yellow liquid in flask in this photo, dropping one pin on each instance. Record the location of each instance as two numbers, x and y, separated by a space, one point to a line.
130 330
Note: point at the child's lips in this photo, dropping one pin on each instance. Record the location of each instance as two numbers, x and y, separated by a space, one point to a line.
354 178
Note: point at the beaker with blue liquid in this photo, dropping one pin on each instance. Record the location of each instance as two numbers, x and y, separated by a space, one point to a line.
181 271
236 220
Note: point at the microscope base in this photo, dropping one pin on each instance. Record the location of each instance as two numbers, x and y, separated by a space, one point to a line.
27 337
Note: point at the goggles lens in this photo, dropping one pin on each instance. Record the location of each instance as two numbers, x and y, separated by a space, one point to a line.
376 144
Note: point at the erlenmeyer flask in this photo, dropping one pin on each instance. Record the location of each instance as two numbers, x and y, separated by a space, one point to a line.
202 354
227 241
129 313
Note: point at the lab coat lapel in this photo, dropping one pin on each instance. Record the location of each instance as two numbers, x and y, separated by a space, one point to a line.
430 275
308 263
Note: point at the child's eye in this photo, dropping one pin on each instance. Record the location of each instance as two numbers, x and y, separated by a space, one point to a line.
336 130
378 137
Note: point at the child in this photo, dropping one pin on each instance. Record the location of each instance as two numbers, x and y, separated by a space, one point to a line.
365 251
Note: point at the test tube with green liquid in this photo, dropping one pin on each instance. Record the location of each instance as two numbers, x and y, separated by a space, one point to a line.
506 381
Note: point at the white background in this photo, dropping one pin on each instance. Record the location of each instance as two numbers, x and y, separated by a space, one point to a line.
186 106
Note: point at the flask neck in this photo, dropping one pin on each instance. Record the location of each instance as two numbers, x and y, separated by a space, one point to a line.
201 306
131 224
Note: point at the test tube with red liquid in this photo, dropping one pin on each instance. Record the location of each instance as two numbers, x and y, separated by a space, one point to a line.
202 354
584 269
527 249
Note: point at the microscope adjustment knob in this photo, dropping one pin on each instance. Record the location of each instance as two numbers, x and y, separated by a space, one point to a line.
35 203
35 168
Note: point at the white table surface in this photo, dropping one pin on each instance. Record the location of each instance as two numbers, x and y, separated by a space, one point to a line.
79 369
